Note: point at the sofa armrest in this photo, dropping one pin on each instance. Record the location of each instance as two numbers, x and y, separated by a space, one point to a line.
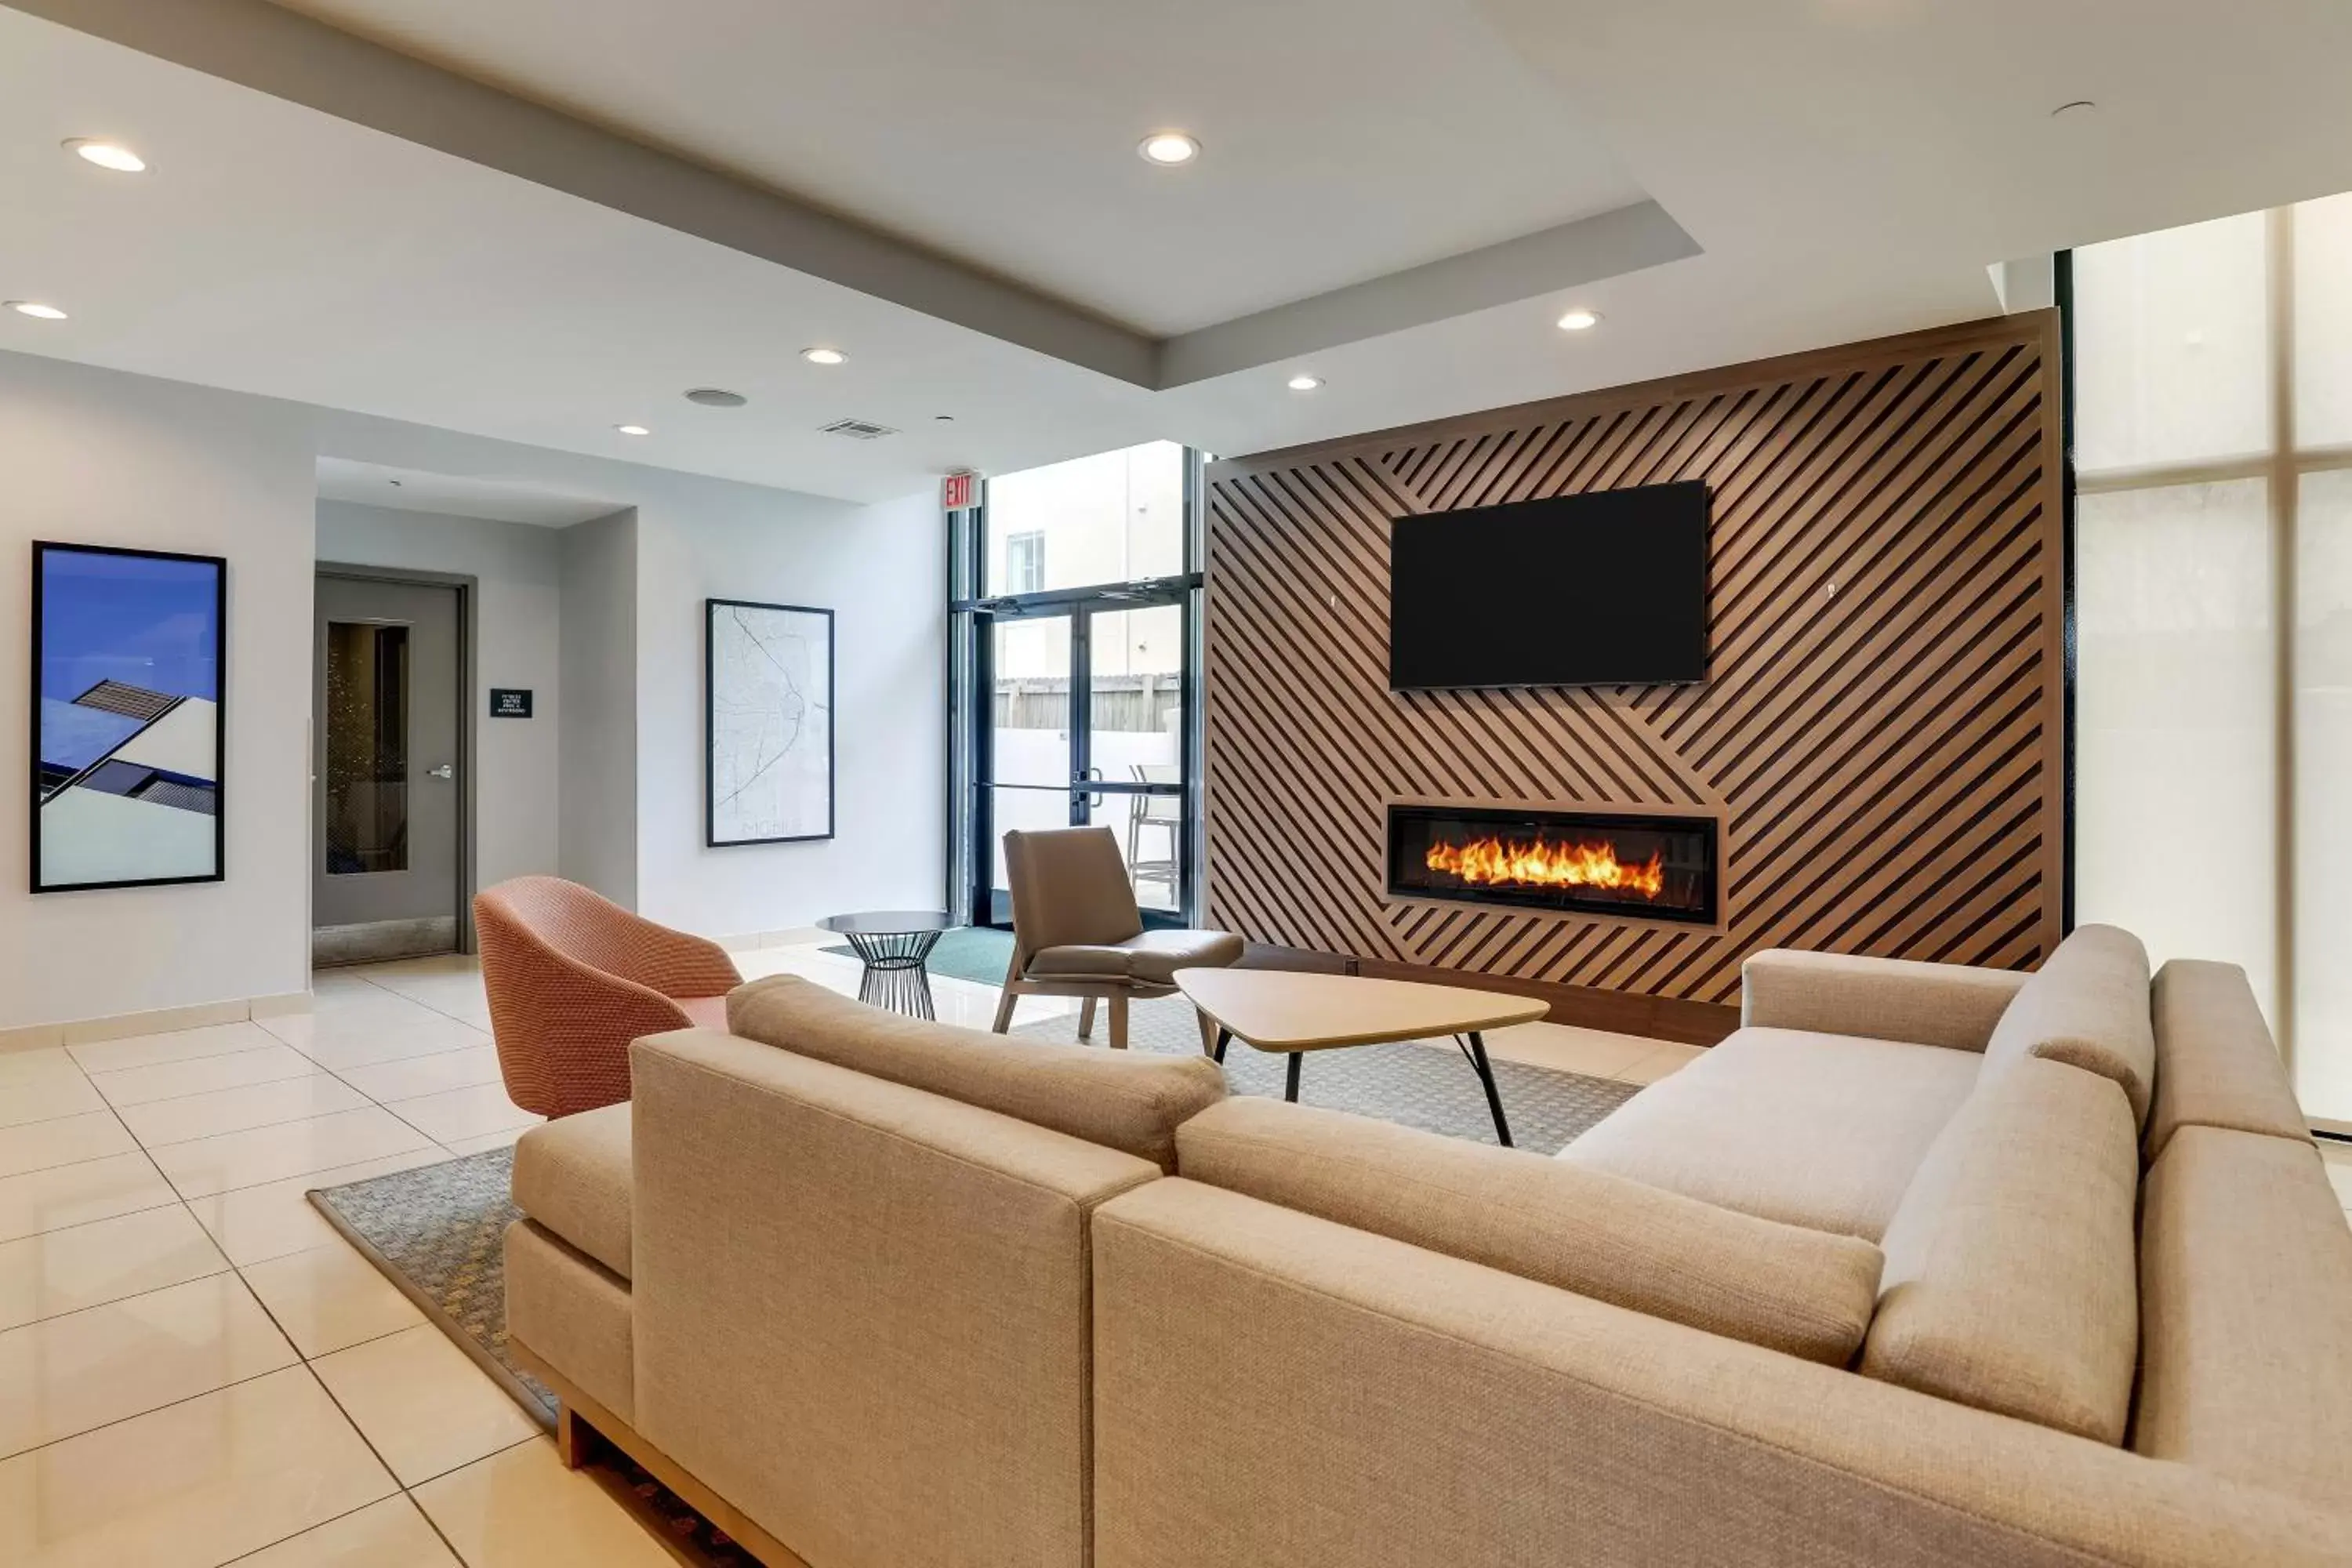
1375 1402
860 1310
1950 1004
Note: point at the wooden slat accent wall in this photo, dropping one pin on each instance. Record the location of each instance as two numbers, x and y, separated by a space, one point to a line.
1883 721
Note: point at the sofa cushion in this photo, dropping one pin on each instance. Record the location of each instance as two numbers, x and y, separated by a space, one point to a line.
1882 998
2087 1007
2215 1063
2246 1314
573 1314
573 1175
1131 1102
2009 1280
1801 1291
1818 1130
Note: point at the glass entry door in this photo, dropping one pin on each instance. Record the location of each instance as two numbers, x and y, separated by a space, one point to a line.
1084 709
1075 618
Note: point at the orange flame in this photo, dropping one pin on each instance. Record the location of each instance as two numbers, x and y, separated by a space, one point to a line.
1544 864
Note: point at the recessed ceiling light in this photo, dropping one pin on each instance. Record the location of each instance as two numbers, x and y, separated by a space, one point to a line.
717 397
35 309
1169 148
1580 320
823 356
633 429
1305 383
112 155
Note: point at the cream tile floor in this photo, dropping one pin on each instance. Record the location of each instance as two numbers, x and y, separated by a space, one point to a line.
195 1370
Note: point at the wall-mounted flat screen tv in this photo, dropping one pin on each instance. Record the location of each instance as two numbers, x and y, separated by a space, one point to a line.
1607 588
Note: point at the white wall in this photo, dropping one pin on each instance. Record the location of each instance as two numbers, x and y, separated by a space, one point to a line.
518 589
94 457
598 802
882 570
606 789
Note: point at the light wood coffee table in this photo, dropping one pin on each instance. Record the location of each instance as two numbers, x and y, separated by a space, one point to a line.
1289 1012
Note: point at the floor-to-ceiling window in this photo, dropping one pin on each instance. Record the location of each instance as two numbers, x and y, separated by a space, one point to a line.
1075 607
2213 602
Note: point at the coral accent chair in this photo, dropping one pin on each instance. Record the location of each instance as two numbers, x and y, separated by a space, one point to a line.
574 978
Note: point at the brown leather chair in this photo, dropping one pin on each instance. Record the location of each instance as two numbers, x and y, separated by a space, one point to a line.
1076 931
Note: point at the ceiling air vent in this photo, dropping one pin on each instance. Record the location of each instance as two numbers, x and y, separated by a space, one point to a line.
857 429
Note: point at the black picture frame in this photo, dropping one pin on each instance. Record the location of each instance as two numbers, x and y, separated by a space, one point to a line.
711 610
39 792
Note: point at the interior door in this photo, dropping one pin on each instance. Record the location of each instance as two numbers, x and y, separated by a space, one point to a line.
386 806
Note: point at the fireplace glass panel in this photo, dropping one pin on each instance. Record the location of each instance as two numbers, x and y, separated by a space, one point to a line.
1655 867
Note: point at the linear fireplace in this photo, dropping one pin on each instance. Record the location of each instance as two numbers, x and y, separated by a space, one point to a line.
1581 862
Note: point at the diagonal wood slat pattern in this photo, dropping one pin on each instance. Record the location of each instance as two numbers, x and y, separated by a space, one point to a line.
1883 723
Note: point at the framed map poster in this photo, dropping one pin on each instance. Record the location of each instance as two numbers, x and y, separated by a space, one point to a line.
767 697
128 719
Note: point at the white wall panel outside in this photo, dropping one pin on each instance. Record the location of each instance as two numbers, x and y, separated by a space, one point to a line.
2174 789
2213 807
2323 793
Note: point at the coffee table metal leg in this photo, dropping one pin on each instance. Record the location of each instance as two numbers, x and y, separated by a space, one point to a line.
1225 1039
895 974
1486 1080
1291 1078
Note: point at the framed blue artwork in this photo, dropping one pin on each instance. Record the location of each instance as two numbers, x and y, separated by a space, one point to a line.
128 724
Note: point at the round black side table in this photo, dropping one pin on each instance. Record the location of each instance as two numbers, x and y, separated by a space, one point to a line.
893 944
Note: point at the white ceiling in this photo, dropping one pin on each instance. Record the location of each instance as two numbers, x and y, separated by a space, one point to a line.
452 495
1847 168
1345 139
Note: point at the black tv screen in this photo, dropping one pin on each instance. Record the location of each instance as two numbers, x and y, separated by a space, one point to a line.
1603 589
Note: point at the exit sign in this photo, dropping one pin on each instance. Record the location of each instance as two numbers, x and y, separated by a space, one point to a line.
959 492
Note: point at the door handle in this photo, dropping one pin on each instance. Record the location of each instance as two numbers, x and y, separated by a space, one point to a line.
446 771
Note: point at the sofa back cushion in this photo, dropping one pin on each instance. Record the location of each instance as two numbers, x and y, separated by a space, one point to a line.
1130 1102
1802 1291
2246 1314
2216 1065
2088 1007
2010 1269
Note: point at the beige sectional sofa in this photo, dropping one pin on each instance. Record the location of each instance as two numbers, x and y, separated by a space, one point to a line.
1922 1264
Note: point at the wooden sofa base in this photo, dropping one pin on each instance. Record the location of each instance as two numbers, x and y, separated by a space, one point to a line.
580 1423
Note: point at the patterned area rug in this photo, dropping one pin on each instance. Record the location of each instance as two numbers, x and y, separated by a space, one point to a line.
437 1231
1418 1084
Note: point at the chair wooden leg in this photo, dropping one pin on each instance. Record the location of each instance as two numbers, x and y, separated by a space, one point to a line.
1085 1019
1208 1032
1118 1023
1004 1009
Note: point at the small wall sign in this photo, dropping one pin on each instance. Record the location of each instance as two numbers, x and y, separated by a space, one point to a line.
509 702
